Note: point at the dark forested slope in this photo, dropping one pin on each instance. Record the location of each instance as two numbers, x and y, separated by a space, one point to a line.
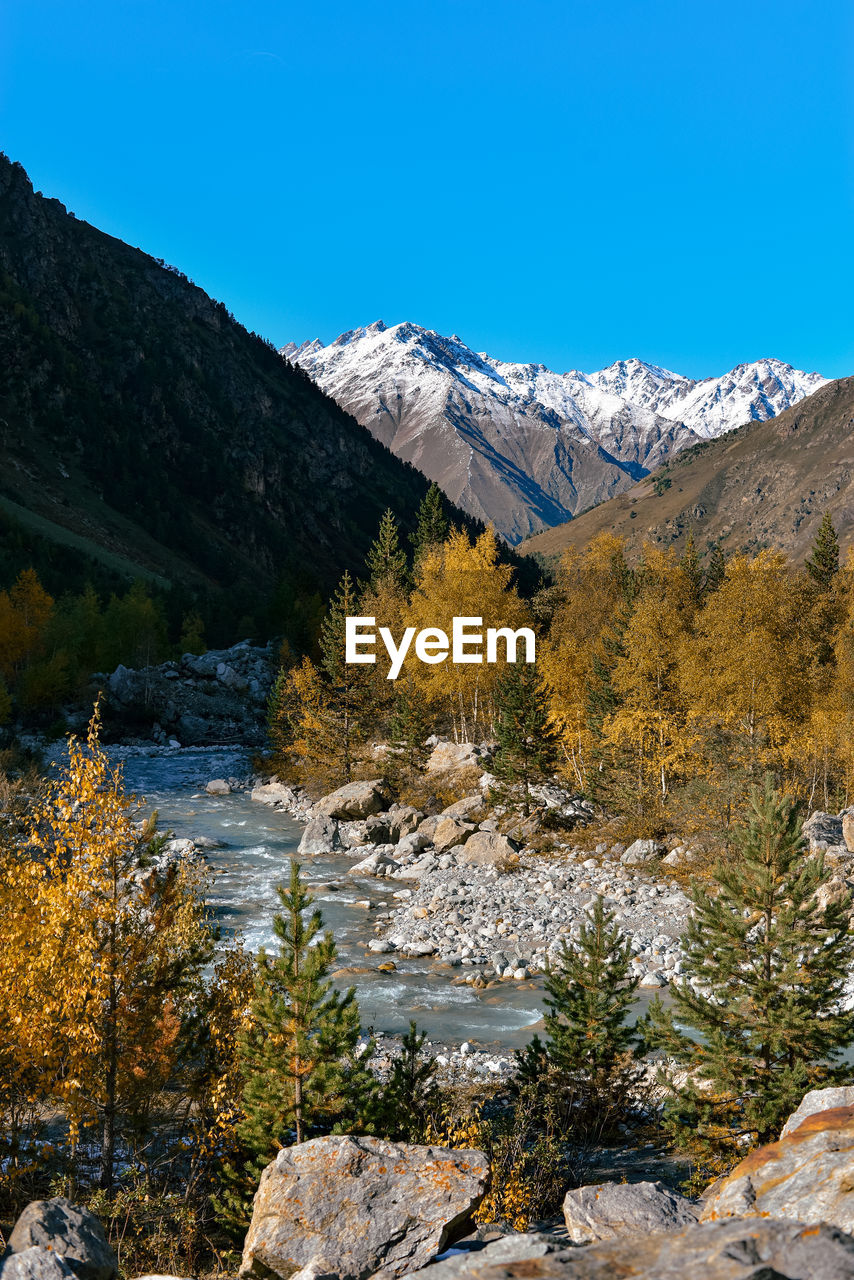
144 432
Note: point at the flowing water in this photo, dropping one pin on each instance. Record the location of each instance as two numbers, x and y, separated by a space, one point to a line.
257 843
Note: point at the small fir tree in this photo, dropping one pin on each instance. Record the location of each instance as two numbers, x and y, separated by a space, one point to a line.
767 964
823 564
297 1052
527 742
348 695
408 732
432 526
387 564
715 570
589 1056
409 1100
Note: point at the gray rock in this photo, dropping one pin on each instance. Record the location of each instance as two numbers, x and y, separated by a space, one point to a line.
818 1100
463 808
354 800
68 1230
823 830
35 1264
489 849
446 757
273 792
391 1207
218 787
806 1176
320 836
610 1209
450 832
754 1249
641 852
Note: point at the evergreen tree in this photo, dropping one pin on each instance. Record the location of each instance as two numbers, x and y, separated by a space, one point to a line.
387 565
589 1055
823 564
297 1053
715 570
349 702
767 965
409 730
690 563
527 742
410 1096
432 527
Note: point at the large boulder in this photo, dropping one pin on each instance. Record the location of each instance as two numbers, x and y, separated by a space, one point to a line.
818 1100
848 831
490 849
354 800
35 1264
319 836
450 832
610 1209
273 792
823 830
448 757
753 1249
66 1230
354 1207
218 787
641 852
463 808
807 1176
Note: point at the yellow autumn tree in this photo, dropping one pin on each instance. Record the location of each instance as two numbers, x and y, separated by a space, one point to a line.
103 950
462 578
648 731
590 591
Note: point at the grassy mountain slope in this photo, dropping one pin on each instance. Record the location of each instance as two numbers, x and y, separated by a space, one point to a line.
144 432
766 484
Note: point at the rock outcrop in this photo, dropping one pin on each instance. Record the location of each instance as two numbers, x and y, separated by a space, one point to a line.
807 1176
754 1249
358 1207
354 800
60 1230
608 1210
818 1100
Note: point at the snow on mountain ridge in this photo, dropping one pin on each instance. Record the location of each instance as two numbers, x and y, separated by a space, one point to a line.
546 443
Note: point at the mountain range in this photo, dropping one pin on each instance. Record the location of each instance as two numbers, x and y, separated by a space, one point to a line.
766 484
519 444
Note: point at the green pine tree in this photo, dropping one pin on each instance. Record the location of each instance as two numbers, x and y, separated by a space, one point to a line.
715 570
527 742
387 563
589 1057
432 527
690 563
351 700
766 965
408 731
410 1096
298 1052
823 564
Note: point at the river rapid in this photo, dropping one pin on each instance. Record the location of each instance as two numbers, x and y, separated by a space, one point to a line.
257 844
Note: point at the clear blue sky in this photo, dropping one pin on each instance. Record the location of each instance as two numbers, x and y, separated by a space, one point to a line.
566 181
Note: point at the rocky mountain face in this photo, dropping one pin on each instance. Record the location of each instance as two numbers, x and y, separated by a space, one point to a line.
145 433
519 444
765 484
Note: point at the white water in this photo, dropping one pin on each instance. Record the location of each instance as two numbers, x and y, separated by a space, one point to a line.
258 843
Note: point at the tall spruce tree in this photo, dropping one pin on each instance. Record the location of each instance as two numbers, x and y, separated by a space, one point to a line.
386 561
297 1053
766 964
690 563
409 730
349 702
715 570
527 741
589 1054
432 526
823 563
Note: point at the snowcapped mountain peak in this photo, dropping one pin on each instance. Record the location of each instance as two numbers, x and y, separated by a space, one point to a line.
519 444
